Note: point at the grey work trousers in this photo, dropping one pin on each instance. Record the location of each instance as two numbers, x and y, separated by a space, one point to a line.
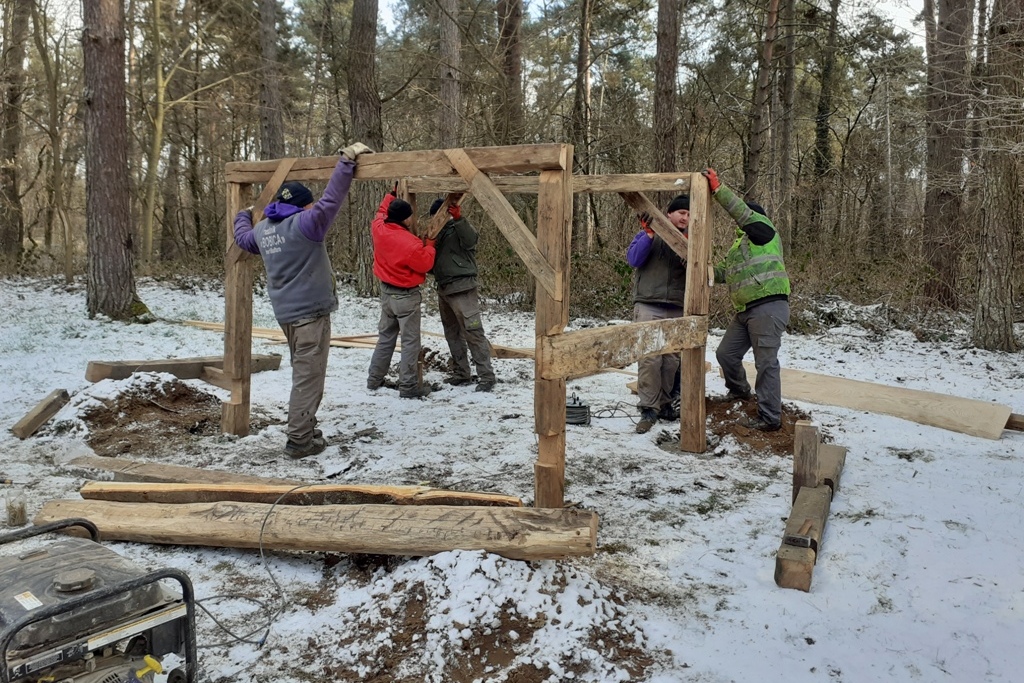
760 328
657 374
399 314
309 344
464 332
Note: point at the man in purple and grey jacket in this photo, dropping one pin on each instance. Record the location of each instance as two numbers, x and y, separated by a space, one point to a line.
300 283
659 285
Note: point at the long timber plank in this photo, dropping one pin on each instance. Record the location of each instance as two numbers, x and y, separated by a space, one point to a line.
183 368
964 415
516 533
592 184
287 494
133 470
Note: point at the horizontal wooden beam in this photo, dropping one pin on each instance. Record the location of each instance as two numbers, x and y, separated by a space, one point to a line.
794 564
392 165
287 494
585 352
592 184
516 533
182 368
134 470
964 415
43 411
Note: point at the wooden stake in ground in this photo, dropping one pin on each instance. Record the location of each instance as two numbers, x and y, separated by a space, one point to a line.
516 533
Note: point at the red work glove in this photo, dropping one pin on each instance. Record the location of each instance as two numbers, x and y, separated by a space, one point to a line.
455 211
427 242
712 177
645 223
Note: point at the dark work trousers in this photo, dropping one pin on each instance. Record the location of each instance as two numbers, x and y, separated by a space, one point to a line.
309 344
760 328
464 332
399 314
657 374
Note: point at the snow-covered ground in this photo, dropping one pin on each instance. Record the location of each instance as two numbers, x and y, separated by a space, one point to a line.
919 578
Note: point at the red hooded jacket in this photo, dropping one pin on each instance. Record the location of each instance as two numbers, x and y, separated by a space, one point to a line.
399 258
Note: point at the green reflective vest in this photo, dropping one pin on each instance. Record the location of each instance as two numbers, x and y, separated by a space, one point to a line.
754 272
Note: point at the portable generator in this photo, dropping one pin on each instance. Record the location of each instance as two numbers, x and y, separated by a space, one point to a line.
75 611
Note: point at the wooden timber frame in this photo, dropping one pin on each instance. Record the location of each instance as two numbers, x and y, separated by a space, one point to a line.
487 173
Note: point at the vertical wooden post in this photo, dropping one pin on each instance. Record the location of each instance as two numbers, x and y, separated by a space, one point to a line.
554 238
237 322
692 416
805 456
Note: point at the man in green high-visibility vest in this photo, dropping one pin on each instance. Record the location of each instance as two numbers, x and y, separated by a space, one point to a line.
758 284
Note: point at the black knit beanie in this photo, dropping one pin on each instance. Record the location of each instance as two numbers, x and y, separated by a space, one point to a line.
680 202
757 208
398 210
295 193
436 206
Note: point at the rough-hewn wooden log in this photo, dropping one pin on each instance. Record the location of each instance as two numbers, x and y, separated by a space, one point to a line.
592 184
583 352
693 437
831 461
182 368
517 533
237 325
794 565
133 470
392 165
806 440
505 217
1015 422
287 494
43 411
675 240
964 415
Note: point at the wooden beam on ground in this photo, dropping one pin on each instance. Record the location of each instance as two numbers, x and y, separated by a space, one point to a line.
505 217
659 223
794 564
590 184
831 461
288 494
391 165
806 440
43 411
1015 422
693 437
136 471
182 368
964 415
583 352
516 533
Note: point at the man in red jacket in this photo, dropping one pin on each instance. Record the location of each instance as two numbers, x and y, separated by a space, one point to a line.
400 261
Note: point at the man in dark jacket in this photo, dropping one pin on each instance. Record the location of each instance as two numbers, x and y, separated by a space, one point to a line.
455 273
401 262
759 289
659 286
300 283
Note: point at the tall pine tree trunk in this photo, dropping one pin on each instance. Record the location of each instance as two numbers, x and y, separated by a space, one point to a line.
786 224
12 69
823 158
511 122
947 137
666 60
579 124
1004 178
271 117
449 76
759 109
364 107
110 286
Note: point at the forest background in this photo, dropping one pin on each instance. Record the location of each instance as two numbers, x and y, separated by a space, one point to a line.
891 165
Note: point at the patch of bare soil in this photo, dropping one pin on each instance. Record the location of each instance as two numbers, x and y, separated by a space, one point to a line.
726 419
157 418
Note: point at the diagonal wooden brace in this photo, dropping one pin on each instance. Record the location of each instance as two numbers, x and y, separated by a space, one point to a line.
236 253
439 219
661 225
518 235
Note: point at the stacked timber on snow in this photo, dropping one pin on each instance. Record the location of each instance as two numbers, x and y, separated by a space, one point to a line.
816 471
220 509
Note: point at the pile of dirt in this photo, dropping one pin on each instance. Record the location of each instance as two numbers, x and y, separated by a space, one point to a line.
157 417
726 419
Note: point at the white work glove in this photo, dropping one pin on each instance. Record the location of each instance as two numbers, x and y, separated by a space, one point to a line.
353 151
